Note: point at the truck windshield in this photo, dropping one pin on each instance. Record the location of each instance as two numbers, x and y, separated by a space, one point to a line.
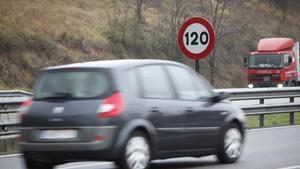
265 61
68 84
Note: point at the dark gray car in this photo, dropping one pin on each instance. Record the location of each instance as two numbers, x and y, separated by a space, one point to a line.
127 111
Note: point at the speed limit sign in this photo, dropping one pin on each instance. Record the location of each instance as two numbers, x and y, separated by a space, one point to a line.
196 38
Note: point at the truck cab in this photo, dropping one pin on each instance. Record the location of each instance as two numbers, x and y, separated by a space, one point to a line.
274 64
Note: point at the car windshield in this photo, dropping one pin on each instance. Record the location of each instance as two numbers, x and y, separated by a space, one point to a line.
265 61
71 85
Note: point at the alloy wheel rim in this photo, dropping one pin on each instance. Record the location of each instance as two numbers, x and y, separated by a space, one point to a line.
233 143
137 153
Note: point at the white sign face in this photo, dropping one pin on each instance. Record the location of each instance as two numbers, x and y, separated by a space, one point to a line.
196 38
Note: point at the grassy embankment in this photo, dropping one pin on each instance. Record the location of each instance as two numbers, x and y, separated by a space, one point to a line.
8 146
282 119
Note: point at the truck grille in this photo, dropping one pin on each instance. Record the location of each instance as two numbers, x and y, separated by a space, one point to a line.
264 77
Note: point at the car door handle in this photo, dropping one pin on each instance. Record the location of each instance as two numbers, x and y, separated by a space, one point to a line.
154 109
224 113
189 109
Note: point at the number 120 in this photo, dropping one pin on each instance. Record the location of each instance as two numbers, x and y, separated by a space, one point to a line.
194 36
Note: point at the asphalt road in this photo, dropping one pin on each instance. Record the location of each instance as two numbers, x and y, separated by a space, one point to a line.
270 148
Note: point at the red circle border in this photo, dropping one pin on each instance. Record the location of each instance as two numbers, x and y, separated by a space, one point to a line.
211 43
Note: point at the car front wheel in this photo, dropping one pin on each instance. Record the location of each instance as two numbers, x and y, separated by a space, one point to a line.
232 145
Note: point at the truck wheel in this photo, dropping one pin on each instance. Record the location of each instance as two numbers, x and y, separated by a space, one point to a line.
232 144
31 164
136 153
291 83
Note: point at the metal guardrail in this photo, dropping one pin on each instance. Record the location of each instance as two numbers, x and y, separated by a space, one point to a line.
10 102
263 94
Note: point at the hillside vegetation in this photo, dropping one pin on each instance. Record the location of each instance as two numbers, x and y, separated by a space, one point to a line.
36 34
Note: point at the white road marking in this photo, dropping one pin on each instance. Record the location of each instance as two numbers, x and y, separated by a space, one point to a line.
10 155
103 164
107 164
273 128
291 167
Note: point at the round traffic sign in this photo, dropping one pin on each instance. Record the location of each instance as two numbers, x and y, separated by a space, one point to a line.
196 38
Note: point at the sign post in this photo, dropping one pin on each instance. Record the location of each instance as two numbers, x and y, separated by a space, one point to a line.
196 39
197 65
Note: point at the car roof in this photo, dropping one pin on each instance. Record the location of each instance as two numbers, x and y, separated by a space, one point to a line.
117 64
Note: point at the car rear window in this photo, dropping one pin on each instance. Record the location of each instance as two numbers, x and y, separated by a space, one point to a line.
72 84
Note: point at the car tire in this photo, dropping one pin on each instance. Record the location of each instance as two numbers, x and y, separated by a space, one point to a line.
136 153
231 147
31 164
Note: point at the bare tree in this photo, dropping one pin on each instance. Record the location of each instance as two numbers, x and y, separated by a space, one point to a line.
217 18
118 20
177 17
215 12
139 15
283 7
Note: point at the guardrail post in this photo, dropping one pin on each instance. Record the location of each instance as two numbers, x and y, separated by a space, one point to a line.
292 118
261 116
261 101
261 120
292 114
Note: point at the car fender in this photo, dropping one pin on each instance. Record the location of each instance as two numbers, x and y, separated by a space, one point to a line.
237 116
129 128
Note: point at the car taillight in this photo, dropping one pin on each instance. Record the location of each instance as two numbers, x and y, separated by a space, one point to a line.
111 106
24 108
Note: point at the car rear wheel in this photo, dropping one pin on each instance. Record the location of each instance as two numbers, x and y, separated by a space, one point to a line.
31 164
232 145
136 154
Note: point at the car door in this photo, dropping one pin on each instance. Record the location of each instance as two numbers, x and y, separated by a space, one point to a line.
160 105
203 118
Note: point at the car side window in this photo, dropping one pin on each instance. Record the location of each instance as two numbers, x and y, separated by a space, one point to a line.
187 85
132 82
154 82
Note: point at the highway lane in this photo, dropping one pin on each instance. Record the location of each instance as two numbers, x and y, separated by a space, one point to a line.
271 148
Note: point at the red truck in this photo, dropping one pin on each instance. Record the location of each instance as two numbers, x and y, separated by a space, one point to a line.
274 64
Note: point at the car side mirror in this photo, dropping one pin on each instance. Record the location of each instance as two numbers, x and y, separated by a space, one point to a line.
220 96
